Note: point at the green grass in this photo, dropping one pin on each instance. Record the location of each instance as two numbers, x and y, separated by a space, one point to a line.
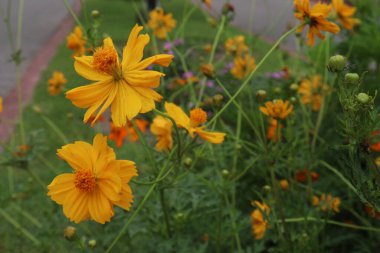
118 17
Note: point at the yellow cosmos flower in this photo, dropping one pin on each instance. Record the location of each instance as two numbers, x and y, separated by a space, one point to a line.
126 86
56 83
161 23
76 42
258 220
345 14
243 66
311 91
98 181
192 123
162 129
316 18
236 45
277 109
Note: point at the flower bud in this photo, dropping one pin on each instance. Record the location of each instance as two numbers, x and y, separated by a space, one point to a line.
208 70
92 243
37 109
294 87
261 95
277 90
70 233
293 100
95 14
225 173
351 78
362 98
187 161
218 98
284 184
337 63
267 188
212 22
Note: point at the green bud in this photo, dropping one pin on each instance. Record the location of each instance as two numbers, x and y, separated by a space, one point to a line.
261 95
337 63
267 188
187 161
70 233
225 173
95 14
293 100
351 78
294 87
92 243
362 98
277 90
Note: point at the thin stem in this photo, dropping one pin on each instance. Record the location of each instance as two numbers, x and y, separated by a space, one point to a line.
55 128
68 7
166 211
252 73
332 222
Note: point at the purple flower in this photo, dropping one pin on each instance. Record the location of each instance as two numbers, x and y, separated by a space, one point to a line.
178 42
187 75
210 83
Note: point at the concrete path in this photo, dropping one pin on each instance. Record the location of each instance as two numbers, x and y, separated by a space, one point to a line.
268 19
40 20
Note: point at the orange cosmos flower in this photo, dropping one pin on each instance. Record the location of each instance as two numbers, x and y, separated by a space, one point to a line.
302 176
272 129
76 42
161 23
277 109
371 211
22 152
243 66
117 134
258 220
192 123
316 18
375 146
56 83
344 14
126 86
97 183
327 203
311 92
1 104
236 45
141 124
162 129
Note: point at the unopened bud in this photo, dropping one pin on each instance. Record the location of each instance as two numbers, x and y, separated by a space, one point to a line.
337 63
294 87
362 98
95 14
70 233
261 95
218 98
92 243
293 100
225 173
208 70
37 109
188 161
351 78
284 184
277 90
267 188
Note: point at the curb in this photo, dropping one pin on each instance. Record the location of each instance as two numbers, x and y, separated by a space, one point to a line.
32 75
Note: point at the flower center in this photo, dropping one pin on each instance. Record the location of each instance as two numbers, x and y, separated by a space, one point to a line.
106 61
197 117
85 180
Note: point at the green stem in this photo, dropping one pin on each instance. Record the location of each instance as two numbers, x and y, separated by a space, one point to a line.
337 223
25 232
166 211
245 83
55 128
135 213
68 7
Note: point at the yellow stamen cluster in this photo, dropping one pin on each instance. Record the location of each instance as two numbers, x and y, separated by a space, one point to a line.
197 117
85 180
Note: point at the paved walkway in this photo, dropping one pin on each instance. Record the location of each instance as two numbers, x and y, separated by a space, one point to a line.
40 20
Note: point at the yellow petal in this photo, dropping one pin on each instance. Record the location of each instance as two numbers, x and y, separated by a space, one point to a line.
127 104
76 206
61 186
83 66
134 50
79 155
178 115
213 137
144 78
160 59
100 207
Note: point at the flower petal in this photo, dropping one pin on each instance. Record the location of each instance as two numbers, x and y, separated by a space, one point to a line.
179 116
100 207
61 186
83 66
75 206
213 137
